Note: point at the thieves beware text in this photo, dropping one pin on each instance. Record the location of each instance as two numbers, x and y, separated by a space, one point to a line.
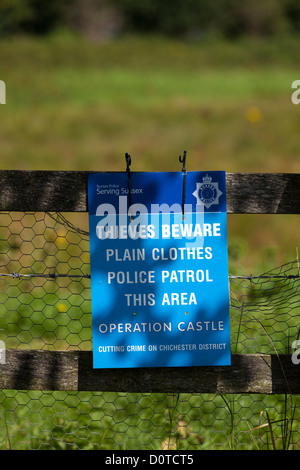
159 278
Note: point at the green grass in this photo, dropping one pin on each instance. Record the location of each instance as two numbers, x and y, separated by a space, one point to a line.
118 421
72 103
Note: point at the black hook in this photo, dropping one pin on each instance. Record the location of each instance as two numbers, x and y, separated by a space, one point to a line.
128 163
183 160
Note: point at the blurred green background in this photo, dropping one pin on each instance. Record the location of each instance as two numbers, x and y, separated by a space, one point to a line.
88 80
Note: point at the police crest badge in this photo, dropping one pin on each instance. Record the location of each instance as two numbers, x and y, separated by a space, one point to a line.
207 193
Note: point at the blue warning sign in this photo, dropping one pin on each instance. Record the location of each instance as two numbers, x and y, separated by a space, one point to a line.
159 274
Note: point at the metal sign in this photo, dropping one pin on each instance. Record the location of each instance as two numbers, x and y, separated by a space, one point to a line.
159 271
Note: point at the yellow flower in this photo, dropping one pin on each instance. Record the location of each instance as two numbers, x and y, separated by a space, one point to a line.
61 238
254 115
61 308
169 444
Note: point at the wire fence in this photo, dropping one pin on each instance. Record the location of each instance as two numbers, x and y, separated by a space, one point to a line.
45 304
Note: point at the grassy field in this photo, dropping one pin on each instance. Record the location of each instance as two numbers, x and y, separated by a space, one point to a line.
81 105
75 105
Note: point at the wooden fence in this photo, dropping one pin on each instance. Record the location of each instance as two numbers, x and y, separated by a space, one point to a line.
58 191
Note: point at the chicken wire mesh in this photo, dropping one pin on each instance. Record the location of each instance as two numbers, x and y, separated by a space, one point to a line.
45 304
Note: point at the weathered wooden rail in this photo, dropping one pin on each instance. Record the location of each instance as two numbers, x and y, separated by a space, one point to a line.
60 191
66 191
73 370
